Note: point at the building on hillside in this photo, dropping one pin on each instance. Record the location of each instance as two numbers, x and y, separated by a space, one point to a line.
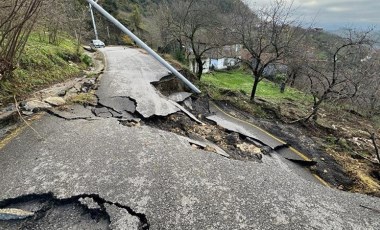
218 59
270 72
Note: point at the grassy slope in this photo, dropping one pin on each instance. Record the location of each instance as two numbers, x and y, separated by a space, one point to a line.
42 64
241 81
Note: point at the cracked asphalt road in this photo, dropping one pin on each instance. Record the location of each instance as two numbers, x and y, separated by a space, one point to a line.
129 73
174 186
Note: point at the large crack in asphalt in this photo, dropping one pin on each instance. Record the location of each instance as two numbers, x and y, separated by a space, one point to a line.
206 135
321 163
244 146
49 212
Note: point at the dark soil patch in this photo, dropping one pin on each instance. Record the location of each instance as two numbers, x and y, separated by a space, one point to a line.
171 84
376 173
51 213
234 144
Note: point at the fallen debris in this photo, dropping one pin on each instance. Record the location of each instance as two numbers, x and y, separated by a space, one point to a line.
249 148
14 214
55 101
89 202
208 146
186 112
35 106
205 136
188 103
119 104
73 112
179 97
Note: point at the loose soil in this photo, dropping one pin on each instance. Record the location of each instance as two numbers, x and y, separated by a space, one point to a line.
236 145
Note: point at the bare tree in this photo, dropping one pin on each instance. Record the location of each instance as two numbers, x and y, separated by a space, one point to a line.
76 15
367 100
296 60
337 77
267 34
17 18
193 24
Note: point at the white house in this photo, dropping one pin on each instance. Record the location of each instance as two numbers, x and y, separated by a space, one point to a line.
219 59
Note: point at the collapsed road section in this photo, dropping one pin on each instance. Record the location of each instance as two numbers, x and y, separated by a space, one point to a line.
170 170
174 185
129 74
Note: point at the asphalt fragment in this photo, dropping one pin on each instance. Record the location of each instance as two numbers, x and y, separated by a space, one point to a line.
119 104
84 211
296 136
75 112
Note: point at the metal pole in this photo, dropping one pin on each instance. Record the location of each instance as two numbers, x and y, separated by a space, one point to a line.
93 23
143 45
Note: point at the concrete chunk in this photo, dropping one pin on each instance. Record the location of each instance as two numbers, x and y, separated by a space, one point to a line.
55 101
36 105
14 214
179 97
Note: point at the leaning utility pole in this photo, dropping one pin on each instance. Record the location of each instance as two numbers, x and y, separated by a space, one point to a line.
143 45
93 22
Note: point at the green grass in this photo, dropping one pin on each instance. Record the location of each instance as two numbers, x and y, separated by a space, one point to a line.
43 64
242 81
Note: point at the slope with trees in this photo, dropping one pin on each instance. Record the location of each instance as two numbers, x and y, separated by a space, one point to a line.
268 34
341 75
16 23
196 27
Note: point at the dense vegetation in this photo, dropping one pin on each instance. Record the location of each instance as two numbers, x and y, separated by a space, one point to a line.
43 64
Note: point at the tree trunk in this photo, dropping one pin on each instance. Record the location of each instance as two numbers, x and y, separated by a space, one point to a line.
291 79
254 88
314 113
200 67
373 137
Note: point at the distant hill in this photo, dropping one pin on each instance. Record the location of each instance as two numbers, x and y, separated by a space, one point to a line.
342 32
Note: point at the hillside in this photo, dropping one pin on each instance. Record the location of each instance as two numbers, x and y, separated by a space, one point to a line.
43 64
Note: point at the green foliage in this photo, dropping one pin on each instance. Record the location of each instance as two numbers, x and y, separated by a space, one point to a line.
110 6
240 80
86 59
84 99
135 18
179 56
42 64
280 78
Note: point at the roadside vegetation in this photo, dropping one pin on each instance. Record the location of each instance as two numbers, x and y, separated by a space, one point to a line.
42 64
36 49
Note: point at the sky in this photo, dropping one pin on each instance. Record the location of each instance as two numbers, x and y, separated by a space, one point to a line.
335 14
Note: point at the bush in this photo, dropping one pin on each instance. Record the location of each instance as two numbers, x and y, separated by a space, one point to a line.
86 59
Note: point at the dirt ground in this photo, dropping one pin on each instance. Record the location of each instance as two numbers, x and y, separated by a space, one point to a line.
237 146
